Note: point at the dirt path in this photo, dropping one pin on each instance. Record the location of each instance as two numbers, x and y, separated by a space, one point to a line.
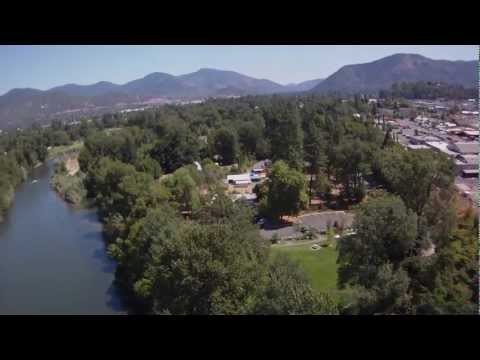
72 166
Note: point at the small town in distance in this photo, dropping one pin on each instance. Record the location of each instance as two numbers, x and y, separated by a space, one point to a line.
449 127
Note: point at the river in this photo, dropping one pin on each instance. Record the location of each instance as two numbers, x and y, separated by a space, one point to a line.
52 257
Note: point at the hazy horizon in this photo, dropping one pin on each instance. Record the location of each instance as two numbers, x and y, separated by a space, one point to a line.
44 67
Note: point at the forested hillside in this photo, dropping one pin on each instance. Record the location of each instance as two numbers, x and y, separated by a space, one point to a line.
383 73
428 90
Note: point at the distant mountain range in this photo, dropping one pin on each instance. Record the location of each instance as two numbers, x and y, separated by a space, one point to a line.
383 73
22 107
202 83
303 86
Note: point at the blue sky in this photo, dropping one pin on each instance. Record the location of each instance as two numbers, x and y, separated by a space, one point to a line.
43 67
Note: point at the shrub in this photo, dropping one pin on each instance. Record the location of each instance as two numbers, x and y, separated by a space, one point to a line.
275 239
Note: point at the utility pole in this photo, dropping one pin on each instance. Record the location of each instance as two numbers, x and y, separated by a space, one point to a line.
310 191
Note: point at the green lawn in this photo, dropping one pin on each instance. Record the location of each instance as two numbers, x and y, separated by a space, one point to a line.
61 150
320 266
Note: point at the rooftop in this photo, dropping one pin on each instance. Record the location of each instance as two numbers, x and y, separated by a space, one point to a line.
468 159
471 132
417 147
441 146
470 147
239 177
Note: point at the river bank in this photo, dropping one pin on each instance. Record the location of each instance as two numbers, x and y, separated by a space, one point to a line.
67 181
7 191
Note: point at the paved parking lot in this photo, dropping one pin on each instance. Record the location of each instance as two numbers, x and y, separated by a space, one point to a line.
317 221
321 221
286 232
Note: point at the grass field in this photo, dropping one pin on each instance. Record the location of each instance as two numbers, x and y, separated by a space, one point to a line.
320 266
61 150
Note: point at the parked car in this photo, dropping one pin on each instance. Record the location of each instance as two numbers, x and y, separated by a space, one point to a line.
259 220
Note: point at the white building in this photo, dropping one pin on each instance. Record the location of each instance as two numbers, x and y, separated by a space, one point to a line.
421 119
471 133
239 179
450 124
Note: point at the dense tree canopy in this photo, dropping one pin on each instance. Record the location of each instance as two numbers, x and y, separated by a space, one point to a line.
413 175
176 147
385 263
385 233
428 90
288 291
283 127
286 191
225 144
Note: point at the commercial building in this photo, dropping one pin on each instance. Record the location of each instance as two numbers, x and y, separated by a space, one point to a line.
471 133
470 147
466 163
470 173
441 146
239 179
